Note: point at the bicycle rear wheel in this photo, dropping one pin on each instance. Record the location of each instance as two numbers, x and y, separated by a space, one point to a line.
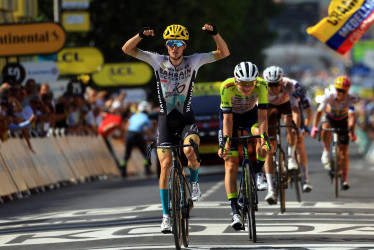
282 181
186 213
176 211
250 203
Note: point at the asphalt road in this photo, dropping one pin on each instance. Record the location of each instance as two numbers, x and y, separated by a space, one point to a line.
126 214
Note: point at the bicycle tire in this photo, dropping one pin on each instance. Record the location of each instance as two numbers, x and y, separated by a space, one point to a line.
282 181
250 204
185 215
176 211
336 170
297 181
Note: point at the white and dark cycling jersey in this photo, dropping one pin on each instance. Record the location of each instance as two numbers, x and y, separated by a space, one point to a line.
285 95
175 84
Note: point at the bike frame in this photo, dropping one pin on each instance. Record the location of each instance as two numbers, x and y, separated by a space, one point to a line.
180 202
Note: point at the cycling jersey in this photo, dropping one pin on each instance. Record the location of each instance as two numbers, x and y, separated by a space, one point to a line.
285 95
232 101
337 110
175 84
299 92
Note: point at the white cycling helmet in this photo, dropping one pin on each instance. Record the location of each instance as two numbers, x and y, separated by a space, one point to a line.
246 72
144 106
273 74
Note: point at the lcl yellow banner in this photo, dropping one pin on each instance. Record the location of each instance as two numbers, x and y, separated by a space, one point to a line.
123 74
79 60
31 39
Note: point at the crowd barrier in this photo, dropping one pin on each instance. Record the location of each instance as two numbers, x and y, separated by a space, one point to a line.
365 145
54 160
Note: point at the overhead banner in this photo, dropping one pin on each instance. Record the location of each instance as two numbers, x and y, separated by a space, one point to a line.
347 21
123 74
79 60
31 39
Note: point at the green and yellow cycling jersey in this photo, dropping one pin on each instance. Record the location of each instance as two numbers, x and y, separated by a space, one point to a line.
232 101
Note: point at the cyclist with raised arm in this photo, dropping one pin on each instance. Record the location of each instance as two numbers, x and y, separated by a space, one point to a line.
338 107
239 108
175 75
282 104
304 104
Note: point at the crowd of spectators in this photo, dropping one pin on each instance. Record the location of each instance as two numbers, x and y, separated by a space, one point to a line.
31 110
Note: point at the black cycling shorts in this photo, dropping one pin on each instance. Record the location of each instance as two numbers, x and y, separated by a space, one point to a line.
245 120
343 124
175 123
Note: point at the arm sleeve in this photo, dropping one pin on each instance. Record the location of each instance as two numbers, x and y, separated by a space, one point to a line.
225 91
16 127
202 58
323 104
149 57
262 87
303 99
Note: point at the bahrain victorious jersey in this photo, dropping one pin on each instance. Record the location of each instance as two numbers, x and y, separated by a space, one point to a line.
175 84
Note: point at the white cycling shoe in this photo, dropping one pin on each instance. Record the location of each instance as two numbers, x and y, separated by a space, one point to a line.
261 182
292 164
325 158
196 193
165 225
237 222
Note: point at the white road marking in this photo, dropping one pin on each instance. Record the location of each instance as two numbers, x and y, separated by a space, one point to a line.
212 190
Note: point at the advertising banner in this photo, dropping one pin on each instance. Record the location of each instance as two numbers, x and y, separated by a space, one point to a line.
31 39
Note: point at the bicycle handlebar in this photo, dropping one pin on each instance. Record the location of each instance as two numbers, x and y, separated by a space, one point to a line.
192 144
244 138
336 130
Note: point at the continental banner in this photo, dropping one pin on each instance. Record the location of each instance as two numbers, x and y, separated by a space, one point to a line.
346 23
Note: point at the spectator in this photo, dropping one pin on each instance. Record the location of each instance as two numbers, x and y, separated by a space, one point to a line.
30 88
138 132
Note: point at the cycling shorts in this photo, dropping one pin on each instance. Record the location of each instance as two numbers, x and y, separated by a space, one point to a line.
274 114
343 136
175 123
247 121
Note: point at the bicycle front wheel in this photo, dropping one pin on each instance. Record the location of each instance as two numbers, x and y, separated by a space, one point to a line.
250 204
282 180
336 170
186 200
176 211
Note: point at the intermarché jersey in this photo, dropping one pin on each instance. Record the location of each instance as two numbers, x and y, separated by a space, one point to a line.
337 110
175 84
285 95
232 101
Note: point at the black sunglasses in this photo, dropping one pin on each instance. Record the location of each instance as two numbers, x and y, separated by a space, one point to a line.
274 84
341 90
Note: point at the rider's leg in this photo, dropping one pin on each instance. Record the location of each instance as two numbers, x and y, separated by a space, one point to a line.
193 164
269 169
260 152
291 135
231 170
164 156
302 158
344 161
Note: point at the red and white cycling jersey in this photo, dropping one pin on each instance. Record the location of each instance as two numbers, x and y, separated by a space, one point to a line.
285 95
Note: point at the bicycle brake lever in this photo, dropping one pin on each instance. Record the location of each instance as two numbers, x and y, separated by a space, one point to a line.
268 145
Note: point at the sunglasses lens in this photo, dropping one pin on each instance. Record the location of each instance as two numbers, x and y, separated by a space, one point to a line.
273 84
341 90
172 43
247 84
